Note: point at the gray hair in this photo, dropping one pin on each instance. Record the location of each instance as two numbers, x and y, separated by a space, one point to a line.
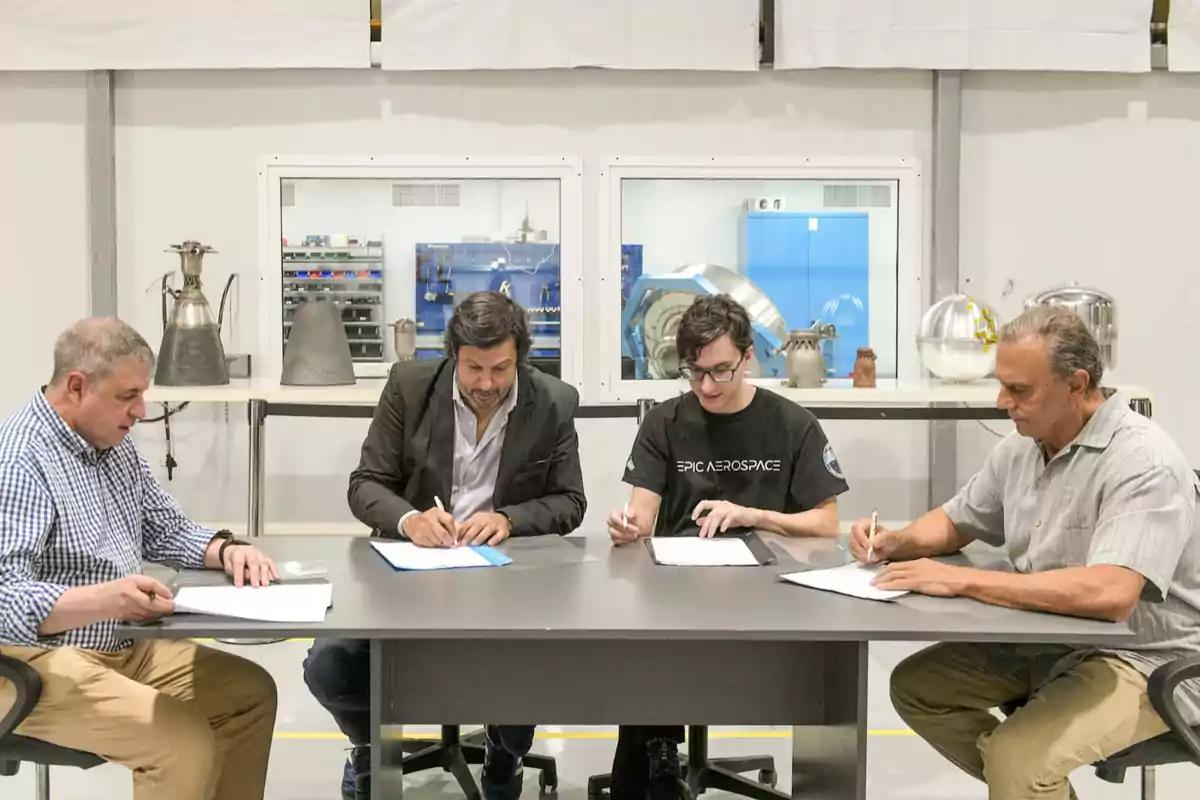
93 346
1071 344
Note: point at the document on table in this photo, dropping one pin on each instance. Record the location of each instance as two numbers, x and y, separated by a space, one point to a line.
408 556
853 579
279 602
693 551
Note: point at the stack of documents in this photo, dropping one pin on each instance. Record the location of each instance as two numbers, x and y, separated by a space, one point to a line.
693 551
408 556
279 602
853 579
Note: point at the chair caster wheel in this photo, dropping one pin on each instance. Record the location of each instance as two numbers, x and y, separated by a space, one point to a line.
768 777
548 781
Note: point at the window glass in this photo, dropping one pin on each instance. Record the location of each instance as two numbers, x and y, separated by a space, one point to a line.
796 253
386 251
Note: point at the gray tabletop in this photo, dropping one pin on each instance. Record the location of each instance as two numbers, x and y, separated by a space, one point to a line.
580 587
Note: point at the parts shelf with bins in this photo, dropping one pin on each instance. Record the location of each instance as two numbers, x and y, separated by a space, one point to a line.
349 277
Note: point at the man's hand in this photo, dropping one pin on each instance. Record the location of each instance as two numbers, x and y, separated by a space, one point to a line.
134 598
432 528
623 532
924 576
484 527
245 562
881 546
723 515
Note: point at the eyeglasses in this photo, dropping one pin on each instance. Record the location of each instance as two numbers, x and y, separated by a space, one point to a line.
718 374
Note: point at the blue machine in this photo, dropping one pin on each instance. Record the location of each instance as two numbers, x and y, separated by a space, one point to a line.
530 273
814 266
650 316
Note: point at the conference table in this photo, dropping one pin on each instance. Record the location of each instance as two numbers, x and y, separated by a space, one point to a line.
575 631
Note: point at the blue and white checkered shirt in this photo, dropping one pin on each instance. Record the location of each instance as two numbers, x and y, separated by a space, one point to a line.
71 515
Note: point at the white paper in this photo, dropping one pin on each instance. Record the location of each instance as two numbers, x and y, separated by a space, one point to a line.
1183 36
564 34
183 34
406 555
852 579
1079 35
692 551
279 602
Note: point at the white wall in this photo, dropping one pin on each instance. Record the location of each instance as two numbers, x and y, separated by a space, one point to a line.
1091 178
188 145
43 223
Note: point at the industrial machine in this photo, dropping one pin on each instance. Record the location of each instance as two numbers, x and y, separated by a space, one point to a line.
191 353
528 272
815 267
656 303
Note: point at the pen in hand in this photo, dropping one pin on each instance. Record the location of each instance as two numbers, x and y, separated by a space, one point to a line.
625 518
437 501
871 535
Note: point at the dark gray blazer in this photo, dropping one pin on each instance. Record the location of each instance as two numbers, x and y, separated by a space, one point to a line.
408 455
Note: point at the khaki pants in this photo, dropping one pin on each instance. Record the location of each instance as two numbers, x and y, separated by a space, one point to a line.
1097 708
193 723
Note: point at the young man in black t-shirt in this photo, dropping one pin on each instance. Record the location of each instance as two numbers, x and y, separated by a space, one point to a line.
725 455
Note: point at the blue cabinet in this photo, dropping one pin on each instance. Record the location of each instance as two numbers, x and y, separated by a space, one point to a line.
814 267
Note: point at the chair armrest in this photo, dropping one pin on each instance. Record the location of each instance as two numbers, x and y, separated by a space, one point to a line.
28 684
1161 688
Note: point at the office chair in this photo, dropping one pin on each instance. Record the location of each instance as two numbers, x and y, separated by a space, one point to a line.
701 773
14 748
454 753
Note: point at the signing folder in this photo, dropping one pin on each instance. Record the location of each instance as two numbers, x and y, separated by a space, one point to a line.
741 550
408 556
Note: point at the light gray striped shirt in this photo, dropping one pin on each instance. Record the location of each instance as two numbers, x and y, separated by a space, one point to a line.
1121 493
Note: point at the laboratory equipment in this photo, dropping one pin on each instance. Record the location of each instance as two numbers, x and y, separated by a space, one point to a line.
957 340
815 267
404 338
191 353
317 352
805 365
656 304
1097 309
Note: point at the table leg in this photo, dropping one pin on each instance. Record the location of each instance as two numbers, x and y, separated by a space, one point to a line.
387 746
256 415
829 761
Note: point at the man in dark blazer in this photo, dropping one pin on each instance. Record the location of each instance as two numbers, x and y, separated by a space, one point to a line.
469 449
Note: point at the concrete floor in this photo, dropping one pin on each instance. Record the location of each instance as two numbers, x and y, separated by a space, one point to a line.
307 760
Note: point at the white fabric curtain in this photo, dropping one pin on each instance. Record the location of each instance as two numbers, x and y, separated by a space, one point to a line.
1183 36
559 34
1078 35
183 34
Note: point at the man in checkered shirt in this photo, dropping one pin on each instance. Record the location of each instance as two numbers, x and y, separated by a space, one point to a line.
79 512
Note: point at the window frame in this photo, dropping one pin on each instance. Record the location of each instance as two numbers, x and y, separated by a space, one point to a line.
604 283
273 170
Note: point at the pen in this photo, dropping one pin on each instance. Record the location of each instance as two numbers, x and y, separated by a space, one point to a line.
625 517
437 501
871 535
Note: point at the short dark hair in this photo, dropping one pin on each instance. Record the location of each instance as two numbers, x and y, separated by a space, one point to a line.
707 319
488 319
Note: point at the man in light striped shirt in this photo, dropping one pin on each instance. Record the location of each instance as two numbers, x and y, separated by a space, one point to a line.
1096 508
79 512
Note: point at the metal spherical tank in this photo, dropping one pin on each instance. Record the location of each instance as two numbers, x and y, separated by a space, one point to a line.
957 340
1097 309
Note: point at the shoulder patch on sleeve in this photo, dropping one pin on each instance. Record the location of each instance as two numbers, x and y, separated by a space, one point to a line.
629 464
831 462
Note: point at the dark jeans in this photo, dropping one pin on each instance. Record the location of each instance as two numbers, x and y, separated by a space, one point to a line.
645 752
337 672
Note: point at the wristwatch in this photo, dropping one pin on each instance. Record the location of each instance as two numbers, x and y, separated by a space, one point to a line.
229 541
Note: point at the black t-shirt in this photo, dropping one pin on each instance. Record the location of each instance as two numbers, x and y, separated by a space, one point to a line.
771 455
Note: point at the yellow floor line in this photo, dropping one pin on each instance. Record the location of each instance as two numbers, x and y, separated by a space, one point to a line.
587 735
